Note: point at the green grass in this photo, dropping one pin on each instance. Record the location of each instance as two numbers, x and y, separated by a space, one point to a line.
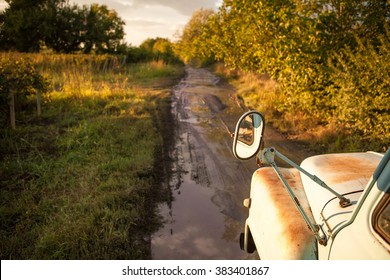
83 180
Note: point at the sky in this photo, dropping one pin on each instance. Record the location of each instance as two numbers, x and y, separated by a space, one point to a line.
150 18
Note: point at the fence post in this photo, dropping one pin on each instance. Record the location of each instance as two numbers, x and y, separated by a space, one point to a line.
11 103
124 60
39 108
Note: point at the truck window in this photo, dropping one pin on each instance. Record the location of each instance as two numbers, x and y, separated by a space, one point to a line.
381 218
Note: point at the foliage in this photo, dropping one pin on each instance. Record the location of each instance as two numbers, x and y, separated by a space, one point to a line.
361 90
64 28
190 46
26 26
306 46
19 77
103 30
159 49
21 25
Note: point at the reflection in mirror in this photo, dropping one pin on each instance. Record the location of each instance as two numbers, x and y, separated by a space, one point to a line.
245 132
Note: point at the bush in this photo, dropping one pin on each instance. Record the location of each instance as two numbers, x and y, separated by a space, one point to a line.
20 78
361 90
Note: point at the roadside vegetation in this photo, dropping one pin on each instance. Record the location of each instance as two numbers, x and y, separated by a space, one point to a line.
82 180
327 64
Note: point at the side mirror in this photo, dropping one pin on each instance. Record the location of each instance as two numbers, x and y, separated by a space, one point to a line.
248 135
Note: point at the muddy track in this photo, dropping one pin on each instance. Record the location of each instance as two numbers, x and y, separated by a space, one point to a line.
208 184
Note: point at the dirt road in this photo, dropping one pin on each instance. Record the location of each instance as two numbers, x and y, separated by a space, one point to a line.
208 184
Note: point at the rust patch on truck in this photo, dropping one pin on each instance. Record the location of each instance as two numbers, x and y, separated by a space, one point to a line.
292 227
342 168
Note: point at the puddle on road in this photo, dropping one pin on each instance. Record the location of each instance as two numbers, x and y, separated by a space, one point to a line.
195 227
206 216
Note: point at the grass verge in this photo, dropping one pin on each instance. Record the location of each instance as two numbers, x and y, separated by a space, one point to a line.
83 180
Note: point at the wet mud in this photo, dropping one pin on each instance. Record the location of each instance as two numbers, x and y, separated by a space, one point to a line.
206 214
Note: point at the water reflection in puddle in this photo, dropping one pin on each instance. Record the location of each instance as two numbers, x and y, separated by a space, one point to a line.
195 229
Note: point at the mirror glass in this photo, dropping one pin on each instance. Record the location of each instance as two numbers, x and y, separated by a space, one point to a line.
248 135
246 130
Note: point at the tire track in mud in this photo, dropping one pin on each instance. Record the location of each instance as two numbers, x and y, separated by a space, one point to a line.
206 215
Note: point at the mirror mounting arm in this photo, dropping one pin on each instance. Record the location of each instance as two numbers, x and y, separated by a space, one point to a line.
268 155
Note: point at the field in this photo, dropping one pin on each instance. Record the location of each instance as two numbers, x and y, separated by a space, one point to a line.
81 181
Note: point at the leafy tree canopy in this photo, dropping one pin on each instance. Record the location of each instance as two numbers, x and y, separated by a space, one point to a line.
26 26
191 45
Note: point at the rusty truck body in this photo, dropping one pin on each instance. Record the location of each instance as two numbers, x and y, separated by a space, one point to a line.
331 206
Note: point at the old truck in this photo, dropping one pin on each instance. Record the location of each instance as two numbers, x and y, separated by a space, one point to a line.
331 206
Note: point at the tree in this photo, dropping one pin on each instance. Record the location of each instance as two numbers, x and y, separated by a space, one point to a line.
375 18
158 49
19 79
103 30
190 45
64 28
28 25
21 25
